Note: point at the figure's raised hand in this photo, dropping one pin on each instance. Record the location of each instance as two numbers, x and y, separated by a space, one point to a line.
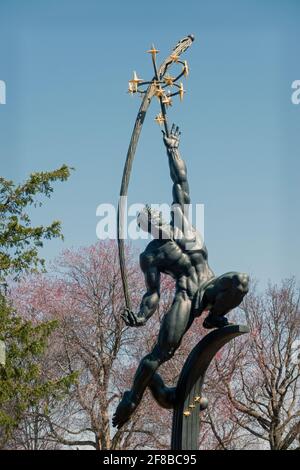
131 318
173 140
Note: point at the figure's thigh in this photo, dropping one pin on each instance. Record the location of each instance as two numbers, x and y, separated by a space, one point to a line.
220 284
226 292
174 323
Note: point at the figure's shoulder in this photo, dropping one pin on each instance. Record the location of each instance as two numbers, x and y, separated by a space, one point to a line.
149 255
146 260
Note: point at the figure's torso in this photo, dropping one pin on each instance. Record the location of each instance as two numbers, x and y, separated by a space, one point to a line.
186 262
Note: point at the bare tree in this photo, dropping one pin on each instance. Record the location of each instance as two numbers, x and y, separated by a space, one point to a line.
252 387
258 380
84 294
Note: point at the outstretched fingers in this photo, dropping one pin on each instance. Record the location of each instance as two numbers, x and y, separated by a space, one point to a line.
175 130
129 317
126 317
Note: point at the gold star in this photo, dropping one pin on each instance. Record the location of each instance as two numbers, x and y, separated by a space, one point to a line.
167 100
160 119
187 413
181 91
192 406
131 88
159 92
153 51
169 80
135 81
174 57
197 399
186 69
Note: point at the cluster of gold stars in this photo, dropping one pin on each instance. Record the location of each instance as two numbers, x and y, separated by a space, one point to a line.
160 85
191 407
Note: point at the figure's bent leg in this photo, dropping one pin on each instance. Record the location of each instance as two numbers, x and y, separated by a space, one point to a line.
222 295
165 396
172 329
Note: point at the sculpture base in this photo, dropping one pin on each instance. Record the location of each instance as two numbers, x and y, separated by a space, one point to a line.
189 401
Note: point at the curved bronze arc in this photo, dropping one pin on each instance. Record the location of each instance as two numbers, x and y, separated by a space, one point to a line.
180 47
125 183
185 428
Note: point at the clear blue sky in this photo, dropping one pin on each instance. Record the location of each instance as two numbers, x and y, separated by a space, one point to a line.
66 65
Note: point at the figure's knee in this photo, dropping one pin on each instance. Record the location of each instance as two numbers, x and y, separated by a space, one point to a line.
151 362
159 355
233 287
241 282
168 351
232 281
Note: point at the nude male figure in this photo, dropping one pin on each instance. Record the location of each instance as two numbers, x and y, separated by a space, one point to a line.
179 251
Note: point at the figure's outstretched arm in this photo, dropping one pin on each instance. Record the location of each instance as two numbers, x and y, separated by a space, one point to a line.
150 299
178 171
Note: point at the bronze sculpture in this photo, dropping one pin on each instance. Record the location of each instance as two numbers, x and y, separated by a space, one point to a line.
179 251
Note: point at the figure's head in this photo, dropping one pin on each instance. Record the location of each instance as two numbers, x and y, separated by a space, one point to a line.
150 220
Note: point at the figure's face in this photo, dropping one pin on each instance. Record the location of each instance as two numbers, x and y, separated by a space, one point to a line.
150 220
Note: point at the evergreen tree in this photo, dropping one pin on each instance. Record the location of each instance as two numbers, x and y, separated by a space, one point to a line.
19 241
22 384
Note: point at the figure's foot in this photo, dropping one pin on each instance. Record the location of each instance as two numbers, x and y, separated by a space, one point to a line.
124 410
215 321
